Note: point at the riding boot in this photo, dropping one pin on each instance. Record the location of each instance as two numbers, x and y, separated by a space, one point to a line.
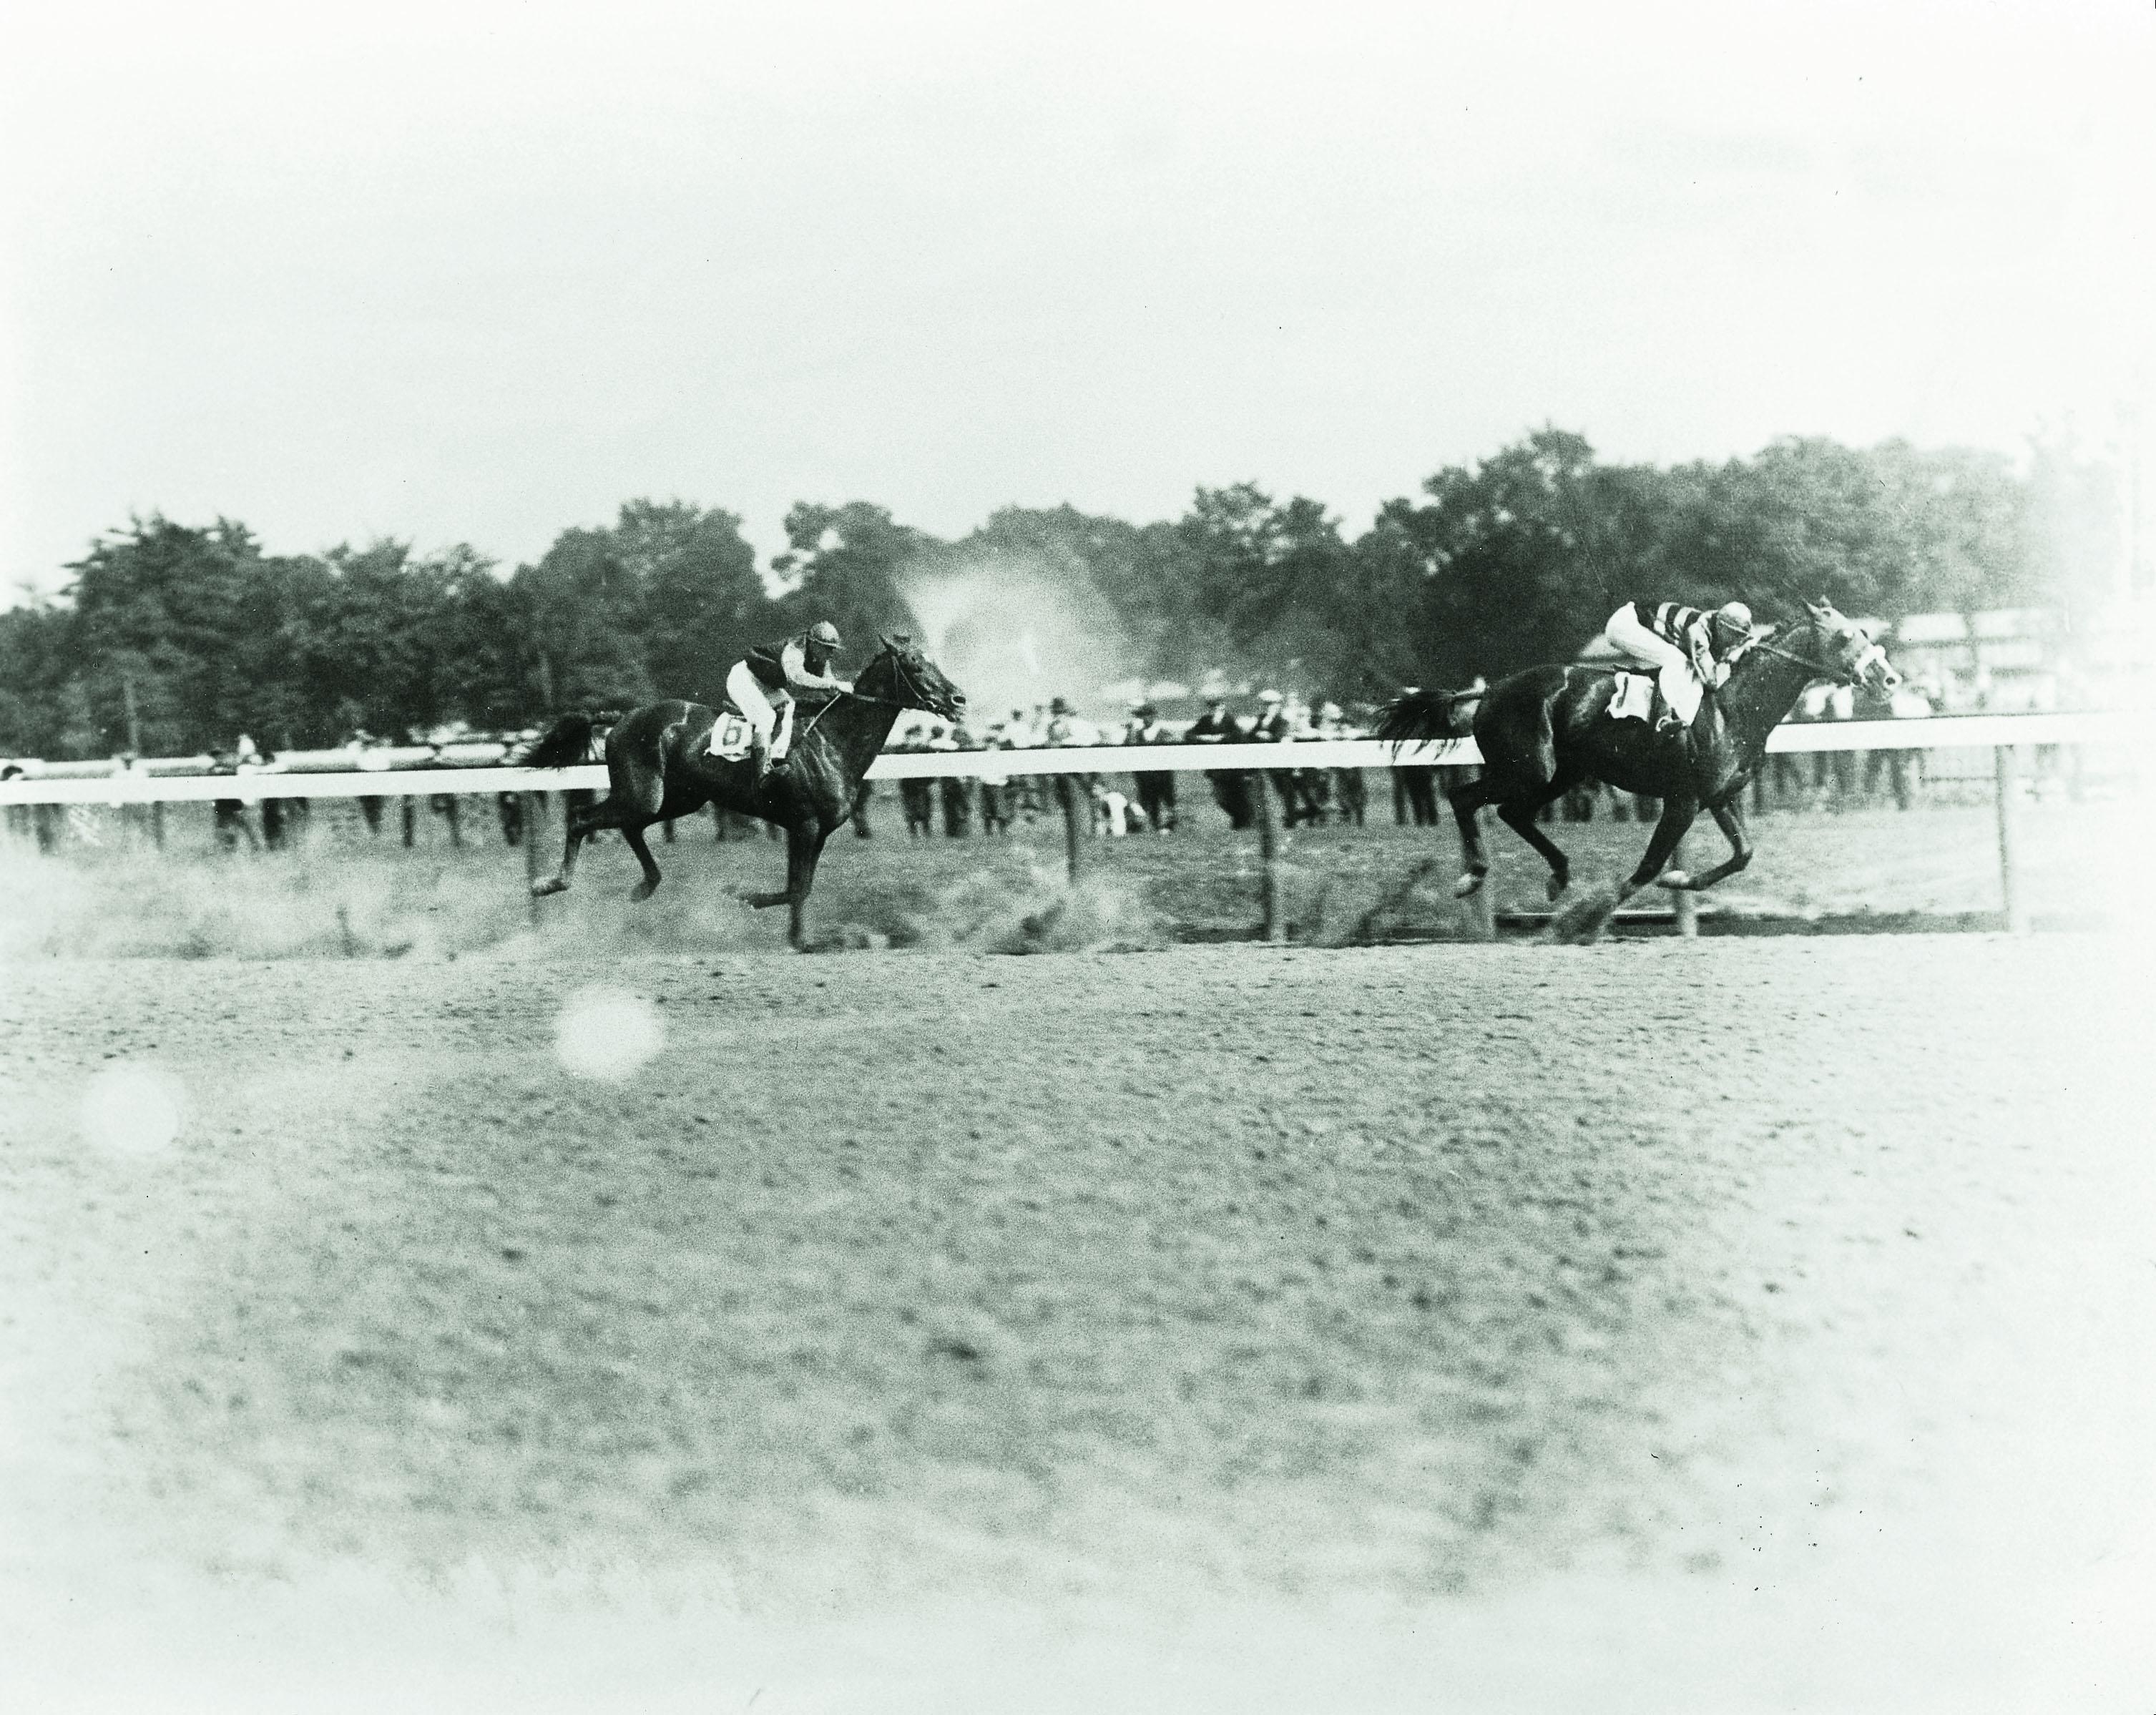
759 749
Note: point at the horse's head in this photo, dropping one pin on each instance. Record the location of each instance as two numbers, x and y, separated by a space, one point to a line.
1846 651
901 673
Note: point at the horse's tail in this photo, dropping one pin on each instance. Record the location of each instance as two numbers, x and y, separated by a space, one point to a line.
1428 715
565 743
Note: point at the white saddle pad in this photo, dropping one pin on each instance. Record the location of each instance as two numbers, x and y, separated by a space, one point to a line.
1635 697
731 732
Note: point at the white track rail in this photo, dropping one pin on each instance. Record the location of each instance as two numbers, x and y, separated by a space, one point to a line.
162 781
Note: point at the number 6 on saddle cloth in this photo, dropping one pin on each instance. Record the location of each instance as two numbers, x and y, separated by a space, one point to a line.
731 732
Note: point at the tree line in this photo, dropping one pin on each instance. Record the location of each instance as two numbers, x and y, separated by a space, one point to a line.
171 638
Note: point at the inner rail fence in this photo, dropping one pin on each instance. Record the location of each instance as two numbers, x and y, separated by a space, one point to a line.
335 774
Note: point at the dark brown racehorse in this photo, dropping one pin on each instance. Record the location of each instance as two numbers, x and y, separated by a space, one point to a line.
658 769
1547 729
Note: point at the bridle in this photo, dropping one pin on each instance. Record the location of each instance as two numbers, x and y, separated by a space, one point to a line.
1850 675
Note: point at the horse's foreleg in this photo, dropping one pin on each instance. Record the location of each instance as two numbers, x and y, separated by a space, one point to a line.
782 896
632 832
804 846
1730 820
1677 814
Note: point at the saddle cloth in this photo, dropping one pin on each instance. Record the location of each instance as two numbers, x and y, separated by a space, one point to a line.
1636 696
731 732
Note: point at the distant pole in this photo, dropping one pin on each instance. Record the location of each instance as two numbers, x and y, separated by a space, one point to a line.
2009 771
1073 830
134 715
1684 904
1269 841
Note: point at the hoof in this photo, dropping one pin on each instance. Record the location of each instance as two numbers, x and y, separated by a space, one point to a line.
642 890
1556 888
1465 885
552 884
1673 879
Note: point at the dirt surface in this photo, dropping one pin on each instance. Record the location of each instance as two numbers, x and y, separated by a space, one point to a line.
1718 1326
343 894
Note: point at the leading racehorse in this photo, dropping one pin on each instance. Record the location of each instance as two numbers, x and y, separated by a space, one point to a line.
1549 729
659 768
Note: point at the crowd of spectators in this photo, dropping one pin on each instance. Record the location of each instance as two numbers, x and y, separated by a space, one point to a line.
996 799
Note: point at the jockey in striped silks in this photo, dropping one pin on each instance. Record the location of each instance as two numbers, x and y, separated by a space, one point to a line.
1689 647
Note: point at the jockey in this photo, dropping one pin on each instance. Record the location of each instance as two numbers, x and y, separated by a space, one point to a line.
764 681
1690 648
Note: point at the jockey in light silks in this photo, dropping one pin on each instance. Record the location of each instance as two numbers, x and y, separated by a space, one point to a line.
1689 647
763 684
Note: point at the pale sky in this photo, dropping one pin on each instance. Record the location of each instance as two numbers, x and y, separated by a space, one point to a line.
480 271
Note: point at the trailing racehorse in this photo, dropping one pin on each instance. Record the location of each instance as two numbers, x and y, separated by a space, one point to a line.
1549 729
659 768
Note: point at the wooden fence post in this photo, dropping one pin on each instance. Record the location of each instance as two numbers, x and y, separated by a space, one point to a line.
1077 824
533 808
2008 770
1269 841
1684 904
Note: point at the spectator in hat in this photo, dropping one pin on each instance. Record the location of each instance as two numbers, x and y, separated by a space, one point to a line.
1155 787
1273 727
1231 789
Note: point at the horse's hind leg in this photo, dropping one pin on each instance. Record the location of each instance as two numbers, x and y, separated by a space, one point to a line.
1466 800
582 820
1518 813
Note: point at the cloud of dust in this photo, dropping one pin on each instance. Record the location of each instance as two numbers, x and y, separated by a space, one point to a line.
1015 630
325 903
329 904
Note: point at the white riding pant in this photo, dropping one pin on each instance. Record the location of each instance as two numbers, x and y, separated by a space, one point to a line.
764 708
1674 671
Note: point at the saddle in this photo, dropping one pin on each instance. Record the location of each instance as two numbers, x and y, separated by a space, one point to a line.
1638 698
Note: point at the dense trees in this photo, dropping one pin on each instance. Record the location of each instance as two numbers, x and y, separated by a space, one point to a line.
174 637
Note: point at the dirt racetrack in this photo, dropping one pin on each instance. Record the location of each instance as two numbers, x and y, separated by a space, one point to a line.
1718 1326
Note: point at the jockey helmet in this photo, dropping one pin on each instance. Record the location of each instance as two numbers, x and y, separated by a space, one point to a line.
826 633
1734 619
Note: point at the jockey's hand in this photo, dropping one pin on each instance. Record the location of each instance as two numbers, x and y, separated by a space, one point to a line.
847 686
1721 674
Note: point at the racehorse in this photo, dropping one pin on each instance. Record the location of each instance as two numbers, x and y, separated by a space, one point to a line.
659 768
1547 729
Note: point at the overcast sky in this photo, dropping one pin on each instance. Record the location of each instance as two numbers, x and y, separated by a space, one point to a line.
482 272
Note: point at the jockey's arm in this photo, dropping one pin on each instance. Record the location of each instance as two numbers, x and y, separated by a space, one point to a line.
798 679
1699 644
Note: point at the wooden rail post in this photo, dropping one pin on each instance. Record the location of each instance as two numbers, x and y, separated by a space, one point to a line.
1684 904
532 808
2008 770
1269 841
1077 823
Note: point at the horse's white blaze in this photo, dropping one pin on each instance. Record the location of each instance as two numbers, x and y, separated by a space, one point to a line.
133 1108
605 1033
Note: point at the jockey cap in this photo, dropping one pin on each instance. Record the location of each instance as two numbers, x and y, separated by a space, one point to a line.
826 633
1733 618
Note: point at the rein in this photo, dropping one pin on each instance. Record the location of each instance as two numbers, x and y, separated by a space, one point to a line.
1839 675
905 679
